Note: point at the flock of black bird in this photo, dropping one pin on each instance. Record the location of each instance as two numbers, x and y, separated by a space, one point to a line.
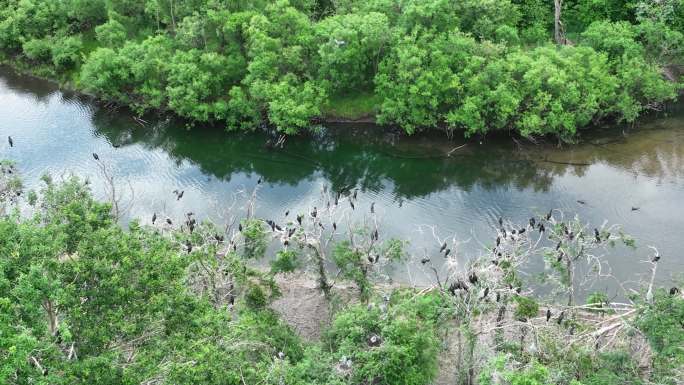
503 234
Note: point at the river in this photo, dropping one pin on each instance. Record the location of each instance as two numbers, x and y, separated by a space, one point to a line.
463 194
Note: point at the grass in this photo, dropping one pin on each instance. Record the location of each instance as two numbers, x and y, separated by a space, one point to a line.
354 106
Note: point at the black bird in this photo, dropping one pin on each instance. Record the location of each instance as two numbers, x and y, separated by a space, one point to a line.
532 222
548 216
444 245
259 181
521 231
542 228
486 292
334 226
635 208
472 278
498 241
498 296
425 260
446 252
370 259
548 315
188 246
290 232
287 212
11 142
597 235
299 219
560 256
240 227
372 208
656 258
560 317
500 221
180 195
355 194
314 212
154 218
278 228
286 243
513 232
503 231
168 220
674 291
558 246
581 202
321 225
375 235
96 156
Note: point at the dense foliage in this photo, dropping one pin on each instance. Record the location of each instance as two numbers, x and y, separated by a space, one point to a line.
473 65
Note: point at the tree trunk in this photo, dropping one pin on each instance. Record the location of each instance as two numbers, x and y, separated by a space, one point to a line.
559 34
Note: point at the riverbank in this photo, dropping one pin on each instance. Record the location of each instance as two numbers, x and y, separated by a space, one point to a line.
257 71
163 290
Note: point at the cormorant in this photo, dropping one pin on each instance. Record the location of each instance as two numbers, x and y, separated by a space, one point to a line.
314 212
597 235
548 216
355 194
500 221
188 246
532 222
521 231
287 212
299 219
656 258
444 245
425 260
168 220
472 278
560 317
542 228
11 142
558 246
334 226
240 227
154 218
259 180
372 208
96 156
180 195
498 241
498 296
375 234
548 315
446 252
486 292
674 291
560 256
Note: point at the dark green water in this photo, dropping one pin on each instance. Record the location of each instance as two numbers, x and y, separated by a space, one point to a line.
410 180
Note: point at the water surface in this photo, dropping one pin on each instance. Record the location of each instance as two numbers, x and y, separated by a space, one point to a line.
411 180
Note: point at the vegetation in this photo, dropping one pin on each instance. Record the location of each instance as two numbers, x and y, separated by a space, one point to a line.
84 301
524 66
